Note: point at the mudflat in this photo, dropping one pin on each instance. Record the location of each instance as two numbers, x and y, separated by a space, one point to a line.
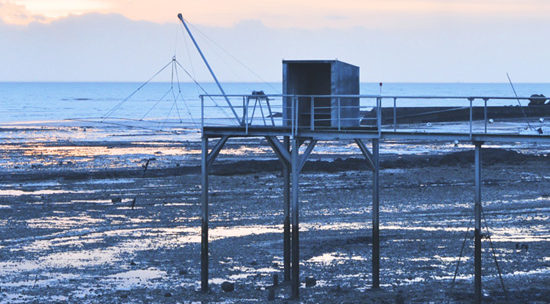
113 218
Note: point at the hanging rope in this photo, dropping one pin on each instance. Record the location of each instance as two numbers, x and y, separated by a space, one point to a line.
174 80
183 100
117 106
188 53
172 89
158 101
519 102
495 257
175 96
493 251
126 125
459 258
203 90
161 123
235 58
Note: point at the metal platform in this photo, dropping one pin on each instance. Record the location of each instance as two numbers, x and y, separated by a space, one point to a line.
286 135
372 133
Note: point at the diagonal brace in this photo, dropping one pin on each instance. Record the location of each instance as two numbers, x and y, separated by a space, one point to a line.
280 150
215 151
366 152
306 154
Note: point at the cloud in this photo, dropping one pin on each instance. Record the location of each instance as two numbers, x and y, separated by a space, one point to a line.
100 47
63 8
13 13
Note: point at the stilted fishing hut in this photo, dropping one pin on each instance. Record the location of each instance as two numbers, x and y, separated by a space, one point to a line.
321 102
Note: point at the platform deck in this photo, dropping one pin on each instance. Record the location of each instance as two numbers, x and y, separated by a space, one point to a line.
372 133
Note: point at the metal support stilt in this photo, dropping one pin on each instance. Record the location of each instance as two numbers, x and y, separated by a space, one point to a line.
477 231
286 228
295 251
375 215
204 215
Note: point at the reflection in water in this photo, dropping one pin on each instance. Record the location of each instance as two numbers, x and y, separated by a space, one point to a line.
134 278
334 258
12 192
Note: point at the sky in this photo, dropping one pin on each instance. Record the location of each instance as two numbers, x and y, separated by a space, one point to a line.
245 40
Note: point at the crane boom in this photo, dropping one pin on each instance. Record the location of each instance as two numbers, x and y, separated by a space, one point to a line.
180 16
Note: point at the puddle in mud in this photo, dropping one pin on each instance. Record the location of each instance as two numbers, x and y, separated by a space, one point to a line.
241 231
62 222
12 192
134 278
91 201
34 184
106 181
43 279
334 258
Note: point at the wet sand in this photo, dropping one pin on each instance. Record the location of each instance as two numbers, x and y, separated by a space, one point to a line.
68 232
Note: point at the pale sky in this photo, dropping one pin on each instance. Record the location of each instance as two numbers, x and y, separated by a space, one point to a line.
391 40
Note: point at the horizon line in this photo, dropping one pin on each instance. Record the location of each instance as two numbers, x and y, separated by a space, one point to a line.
263 82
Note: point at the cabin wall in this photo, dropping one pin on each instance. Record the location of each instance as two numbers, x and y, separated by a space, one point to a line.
321 78
345 81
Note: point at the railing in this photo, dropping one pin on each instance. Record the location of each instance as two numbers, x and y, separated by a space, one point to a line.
443 114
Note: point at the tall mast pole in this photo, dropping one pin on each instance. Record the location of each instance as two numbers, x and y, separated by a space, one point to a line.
209 68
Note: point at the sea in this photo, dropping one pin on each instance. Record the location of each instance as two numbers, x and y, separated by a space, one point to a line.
61 101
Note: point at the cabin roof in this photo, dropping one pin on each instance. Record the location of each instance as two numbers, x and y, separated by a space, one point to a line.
309 61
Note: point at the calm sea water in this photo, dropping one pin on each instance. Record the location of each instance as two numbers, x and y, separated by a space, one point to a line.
23 102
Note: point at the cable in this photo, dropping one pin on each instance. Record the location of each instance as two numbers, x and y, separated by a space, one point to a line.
161 123
460 257
519 102
188 54
495 257
205 92
433 112
173 94
117 106
234 58
163 96
124 125
182 99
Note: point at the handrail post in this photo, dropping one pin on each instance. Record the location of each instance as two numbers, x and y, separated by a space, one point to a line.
246 115
379 115
297 113
471 115
244 104
312 113
292 114
202 113
394 114
485 113
339 110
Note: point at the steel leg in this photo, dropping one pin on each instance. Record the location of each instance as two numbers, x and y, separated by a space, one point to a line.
295 221
286 233
477 233
375 216
204 215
